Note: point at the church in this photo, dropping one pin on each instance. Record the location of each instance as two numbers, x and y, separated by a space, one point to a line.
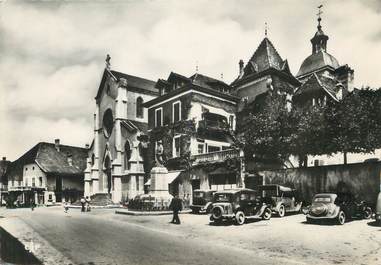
115 165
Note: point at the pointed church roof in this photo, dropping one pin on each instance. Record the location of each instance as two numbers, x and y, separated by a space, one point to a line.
264 57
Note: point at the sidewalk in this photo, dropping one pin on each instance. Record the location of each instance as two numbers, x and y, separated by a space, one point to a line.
32 241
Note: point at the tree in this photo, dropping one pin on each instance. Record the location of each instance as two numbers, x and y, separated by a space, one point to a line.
268 132
354 124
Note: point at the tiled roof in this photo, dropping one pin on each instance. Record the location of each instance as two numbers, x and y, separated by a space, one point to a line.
195 87
133 82
317 61
208 82
52 161
133 125
264 57
329 85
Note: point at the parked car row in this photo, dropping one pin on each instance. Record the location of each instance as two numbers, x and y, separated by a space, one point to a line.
239 205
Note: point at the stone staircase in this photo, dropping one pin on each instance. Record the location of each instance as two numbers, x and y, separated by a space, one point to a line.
101 199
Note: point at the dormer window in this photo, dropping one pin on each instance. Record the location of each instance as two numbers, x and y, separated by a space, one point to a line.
176 111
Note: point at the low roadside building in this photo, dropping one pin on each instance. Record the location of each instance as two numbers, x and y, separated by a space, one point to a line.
46 174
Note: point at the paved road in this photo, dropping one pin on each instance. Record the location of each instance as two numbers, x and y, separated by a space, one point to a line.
98 238
101 237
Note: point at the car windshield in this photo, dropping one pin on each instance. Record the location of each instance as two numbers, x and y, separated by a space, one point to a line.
322 199
199 194
270 191
223 197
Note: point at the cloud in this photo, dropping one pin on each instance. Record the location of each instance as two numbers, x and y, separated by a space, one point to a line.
52 53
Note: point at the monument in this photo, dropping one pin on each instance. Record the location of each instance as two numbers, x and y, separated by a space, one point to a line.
159 176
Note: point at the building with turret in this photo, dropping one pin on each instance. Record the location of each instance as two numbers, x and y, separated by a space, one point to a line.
321 75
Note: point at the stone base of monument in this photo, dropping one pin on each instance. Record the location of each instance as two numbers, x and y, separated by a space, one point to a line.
159 188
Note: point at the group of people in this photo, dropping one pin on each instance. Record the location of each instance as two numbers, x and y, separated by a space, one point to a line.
85 204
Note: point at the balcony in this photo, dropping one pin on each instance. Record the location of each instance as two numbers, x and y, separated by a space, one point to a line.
218 156
214 125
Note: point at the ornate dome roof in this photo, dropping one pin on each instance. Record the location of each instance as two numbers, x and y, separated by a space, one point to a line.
316 61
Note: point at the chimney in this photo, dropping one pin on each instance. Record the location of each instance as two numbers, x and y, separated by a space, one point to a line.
240 67
57 144
87 146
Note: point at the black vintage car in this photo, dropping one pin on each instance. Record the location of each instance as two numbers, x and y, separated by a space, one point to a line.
282 199
338 207
202 201
239 205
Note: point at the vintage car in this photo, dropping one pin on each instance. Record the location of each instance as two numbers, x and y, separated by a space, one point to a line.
238 205
202 201
282 199
377 215
338 207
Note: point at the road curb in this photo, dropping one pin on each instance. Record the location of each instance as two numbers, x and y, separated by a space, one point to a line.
154 213
96 206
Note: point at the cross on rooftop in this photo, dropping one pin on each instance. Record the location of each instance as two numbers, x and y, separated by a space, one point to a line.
266 28
319 14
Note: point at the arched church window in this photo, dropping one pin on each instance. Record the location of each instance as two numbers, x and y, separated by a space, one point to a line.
127 155
93 159
139 107
108 122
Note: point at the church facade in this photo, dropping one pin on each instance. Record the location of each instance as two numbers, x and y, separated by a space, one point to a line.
115 166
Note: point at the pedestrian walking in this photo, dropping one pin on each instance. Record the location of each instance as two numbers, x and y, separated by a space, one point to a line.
66 207
32 205
83 201
88 200
176 206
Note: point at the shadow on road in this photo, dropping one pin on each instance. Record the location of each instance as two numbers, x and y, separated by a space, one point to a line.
230 223
13 252
324 222
373 223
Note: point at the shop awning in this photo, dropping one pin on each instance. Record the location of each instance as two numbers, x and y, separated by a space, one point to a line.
172 176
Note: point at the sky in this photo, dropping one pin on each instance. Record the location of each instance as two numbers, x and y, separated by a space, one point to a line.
52 52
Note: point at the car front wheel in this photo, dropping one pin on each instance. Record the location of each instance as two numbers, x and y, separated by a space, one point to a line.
341 218
266 214
240 218
281 211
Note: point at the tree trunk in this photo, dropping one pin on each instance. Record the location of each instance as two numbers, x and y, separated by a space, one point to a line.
306 161
345 158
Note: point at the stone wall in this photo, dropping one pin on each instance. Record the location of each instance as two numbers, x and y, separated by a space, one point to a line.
361 179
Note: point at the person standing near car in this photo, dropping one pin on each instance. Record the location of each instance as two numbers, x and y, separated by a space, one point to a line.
176 206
